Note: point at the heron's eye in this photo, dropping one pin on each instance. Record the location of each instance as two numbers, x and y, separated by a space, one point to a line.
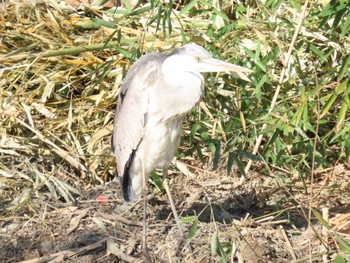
198 59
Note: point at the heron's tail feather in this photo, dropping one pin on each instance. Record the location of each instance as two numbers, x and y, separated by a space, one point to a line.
126 182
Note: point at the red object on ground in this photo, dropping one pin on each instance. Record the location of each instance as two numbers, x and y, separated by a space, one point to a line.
102 200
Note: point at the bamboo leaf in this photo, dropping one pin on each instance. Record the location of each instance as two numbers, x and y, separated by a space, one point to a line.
188 7
343 110
339 259
140 11
255 58
214 244
157 181
219 13
105 23
193 230
340 89
344 69
345 26
188 219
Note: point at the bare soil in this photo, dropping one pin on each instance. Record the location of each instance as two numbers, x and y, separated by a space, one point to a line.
257 220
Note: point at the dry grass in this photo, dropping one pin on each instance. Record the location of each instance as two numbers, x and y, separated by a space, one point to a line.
58 86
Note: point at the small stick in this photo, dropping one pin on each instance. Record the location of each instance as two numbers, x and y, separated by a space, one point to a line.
120 219
66 253
325 232
113 248
289 245
173 208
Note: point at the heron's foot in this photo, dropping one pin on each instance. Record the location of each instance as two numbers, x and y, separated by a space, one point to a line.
180 245
146 255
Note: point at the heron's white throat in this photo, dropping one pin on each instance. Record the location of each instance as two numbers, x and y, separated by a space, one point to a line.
180 70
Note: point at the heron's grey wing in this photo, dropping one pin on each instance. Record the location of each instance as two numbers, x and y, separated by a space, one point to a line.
132 108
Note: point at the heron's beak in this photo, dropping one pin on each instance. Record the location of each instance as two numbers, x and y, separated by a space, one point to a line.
215 65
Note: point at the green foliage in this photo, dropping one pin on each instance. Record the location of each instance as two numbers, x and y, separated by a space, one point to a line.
222 249
336 16
306 99
194 227
157 181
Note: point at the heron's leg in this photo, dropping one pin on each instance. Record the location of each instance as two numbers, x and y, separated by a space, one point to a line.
144 216
173 208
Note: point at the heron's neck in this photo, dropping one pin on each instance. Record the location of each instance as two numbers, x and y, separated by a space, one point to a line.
180 90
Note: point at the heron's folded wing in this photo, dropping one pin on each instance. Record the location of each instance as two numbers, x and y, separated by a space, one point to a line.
132 108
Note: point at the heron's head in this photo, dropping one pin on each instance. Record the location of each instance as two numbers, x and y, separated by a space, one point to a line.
196 59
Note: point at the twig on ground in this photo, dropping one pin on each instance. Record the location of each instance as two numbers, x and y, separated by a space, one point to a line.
120 219
289 245
76 221
113 248
66 253
149 197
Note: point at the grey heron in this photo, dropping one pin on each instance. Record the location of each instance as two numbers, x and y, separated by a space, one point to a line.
158 91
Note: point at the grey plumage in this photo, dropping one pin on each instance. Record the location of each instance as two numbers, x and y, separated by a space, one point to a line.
158 91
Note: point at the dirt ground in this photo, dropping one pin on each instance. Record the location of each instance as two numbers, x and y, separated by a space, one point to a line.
257 221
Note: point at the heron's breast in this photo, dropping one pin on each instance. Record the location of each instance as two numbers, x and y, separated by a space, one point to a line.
160 142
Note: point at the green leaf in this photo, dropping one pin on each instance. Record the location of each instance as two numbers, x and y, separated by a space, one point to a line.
295 5
339 259
127 5
346 25
194 129
219 13
188 219
274 3
170 27
140 11
104 23
342 132
200 154
344 67
258 86
279 124
340 11
214 244
159 17
271 141
230 162
125 52
101 3
343 110
248 155
193 230
329 9
205 3
340 89
188 7
157 181
255 58
316 50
